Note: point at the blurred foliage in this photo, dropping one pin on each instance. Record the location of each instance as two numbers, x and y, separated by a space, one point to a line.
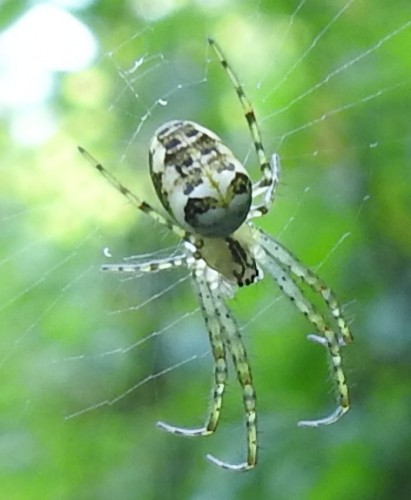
72 337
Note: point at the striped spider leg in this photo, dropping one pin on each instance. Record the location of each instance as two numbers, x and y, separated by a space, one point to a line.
151 266
225 335
269 170
283 266
137 202
209 199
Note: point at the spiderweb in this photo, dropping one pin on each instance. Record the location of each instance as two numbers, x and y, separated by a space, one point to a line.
329 85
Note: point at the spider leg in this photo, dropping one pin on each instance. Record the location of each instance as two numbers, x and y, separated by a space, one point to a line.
140 204
267 191
223 332
269 170
151 266
234 343
328 338
211 318
290 262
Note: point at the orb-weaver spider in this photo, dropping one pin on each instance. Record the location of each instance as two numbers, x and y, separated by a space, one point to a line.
210 201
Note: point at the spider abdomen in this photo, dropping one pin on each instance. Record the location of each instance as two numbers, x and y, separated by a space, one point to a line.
198 179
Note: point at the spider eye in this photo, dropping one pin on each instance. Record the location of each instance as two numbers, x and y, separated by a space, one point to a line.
198 180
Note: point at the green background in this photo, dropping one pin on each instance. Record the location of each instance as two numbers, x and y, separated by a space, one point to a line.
73 337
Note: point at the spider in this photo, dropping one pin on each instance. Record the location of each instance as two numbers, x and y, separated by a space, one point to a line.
210 201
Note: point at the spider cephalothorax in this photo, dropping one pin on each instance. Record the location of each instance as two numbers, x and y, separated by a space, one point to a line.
210 199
